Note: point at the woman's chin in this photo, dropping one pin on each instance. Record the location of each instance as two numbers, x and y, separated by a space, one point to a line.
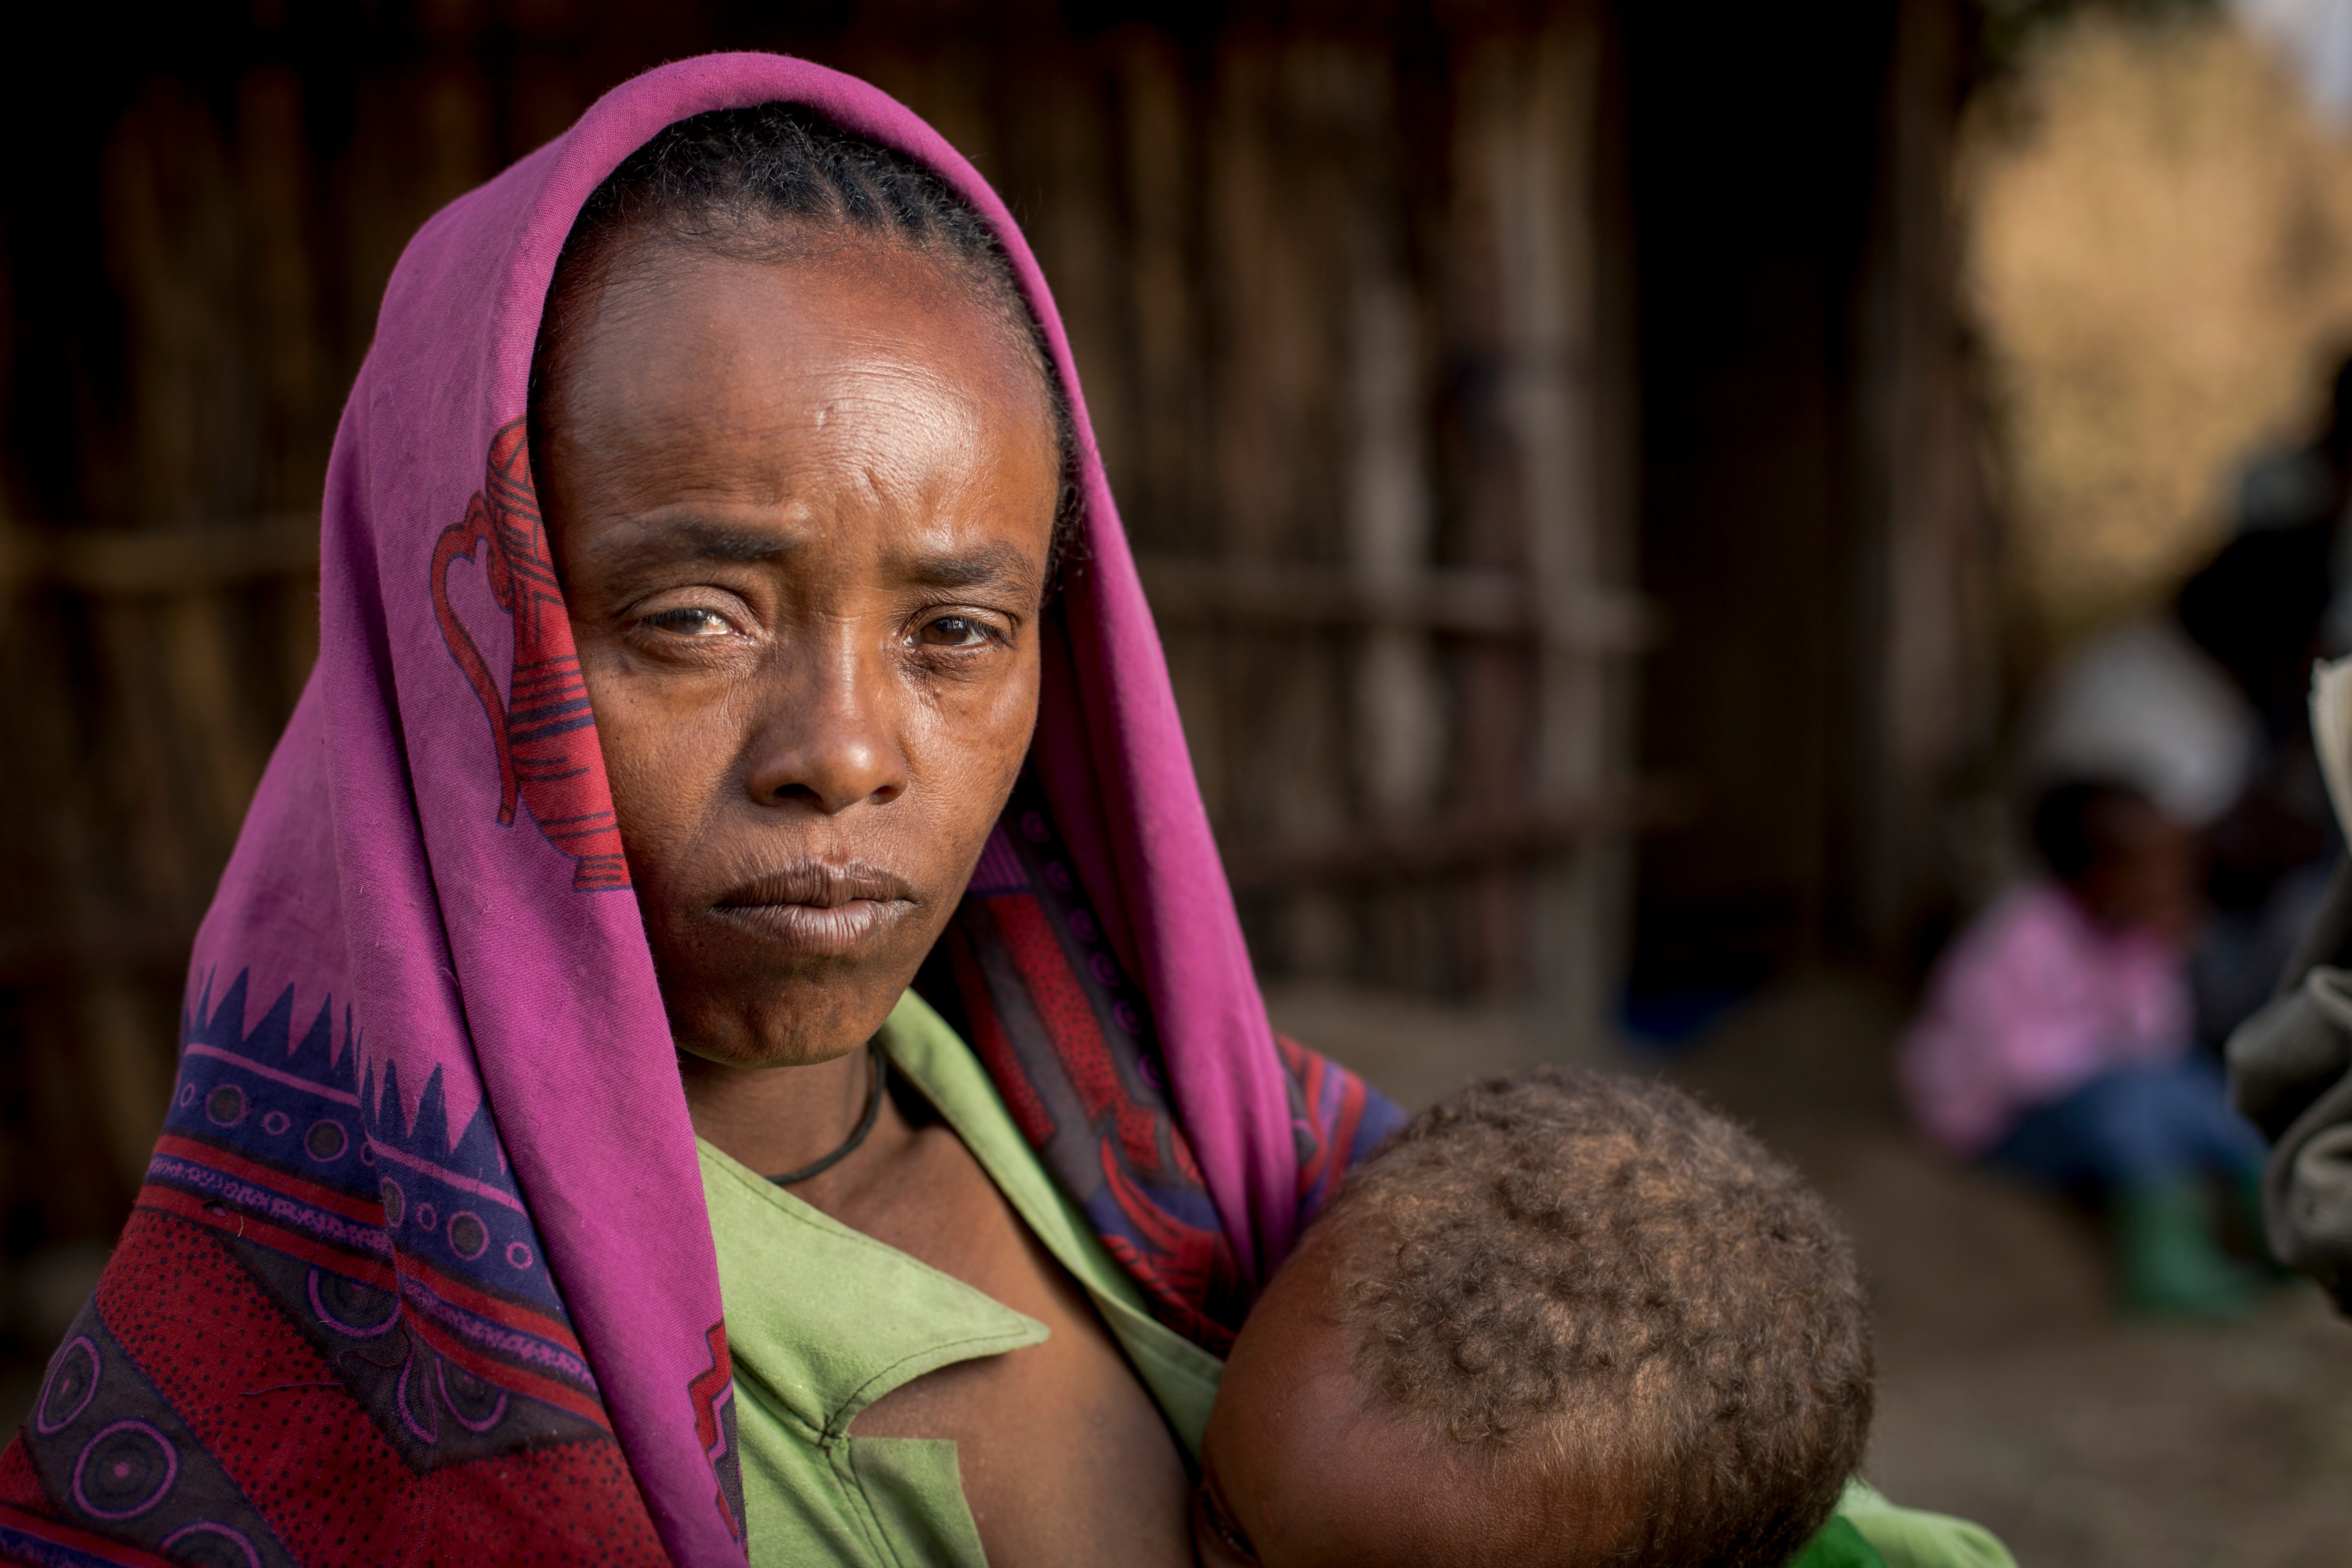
772 987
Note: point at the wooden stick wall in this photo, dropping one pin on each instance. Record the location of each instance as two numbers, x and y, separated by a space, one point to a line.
1338 301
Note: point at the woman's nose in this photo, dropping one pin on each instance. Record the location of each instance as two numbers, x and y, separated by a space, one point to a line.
828 734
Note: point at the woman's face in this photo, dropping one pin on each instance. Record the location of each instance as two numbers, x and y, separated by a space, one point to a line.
802 512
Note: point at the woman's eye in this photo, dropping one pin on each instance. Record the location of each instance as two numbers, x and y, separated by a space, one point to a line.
955 631
690 623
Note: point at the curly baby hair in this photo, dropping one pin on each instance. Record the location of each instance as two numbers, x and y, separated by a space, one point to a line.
1601 1282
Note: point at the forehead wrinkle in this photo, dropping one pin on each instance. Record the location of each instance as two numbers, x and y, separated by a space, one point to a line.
899 423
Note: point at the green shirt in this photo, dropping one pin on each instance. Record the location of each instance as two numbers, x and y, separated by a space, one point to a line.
1912 1537
822 1320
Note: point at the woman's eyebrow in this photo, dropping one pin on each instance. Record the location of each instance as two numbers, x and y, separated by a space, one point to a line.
692 541
970 568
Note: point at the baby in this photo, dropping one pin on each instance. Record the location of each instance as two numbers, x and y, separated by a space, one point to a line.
1560 1319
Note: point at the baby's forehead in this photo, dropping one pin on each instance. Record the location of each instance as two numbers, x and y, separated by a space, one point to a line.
1309 1424
1377 1485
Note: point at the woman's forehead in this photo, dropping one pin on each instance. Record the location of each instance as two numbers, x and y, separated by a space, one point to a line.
715 338
796 394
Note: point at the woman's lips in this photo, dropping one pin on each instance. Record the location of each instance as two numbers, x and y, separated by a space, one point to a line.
816 909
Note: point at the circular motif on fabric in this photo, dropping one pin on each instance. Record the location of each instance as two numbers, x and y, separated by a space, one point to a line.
518 1254
1032 824
1082 926
367 1155
1058 876
1147 1068
425 1218
468 1237
187 1095
276 1123
1124 1015
207 1544
351 1307
124 1472
224 1106
71 1385
395 1201
477 1403
326 1140
1104 969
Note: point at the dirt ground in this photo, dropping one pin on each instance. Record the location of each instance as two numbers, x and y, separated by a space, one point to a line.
2008 1391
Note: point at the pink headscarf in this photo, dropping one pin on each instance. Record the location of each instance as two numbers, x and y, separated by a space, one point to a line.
436 917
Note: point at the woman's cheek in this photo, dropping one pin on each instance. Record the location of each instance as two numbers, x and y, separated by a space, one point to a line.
983 745
658 762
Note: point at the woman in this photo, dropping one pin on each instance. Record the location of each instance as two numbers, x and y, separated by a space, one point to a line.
725 627
425 1265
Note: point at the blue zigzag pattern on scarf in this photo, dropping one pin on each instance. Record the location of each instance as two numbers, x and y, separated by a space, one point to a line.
407 1256
301 1107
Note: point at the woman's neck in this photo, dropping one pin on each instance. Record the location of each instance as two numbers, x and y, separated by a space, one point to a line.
777 1119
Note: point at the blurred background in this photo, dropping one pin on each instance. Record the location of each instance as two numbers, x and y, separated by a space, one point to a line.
1635 497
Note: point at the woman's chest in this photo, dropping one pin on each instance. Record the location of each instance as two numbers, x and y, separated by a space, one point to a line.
1063 1456
921 1379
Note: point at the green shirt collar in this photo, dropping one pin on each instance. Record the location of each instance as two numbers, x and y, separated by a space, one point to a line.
825 1319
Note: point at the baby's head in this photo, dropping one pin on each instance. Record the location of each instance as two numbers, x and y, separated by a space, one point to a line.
1560 1319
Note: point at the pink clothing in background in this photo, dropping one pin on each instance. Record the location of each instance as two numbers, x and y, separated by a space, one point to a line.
2031 1001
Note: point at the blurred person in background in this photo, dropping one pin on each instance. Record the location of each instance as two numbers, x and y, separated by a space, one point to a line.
2273 600
2057 1044
2277 596
2202 708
